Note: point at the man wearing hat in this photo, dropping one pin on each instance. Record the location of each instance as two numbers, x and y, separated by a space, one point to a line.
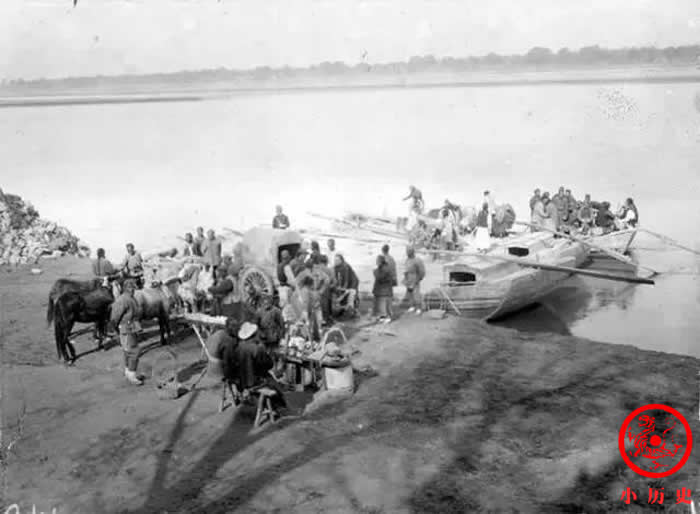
125 315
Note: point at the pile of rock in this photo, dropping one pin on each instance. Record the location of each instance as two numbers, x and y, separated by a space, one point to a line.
25 237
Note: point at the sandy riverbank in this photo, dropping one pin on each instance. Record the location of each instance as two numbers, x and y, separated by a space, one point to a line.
177 89
461 417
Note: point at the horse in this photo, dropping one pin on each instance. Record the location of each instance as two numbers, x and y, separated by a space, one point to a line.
155 301
64 285
80 307
194 286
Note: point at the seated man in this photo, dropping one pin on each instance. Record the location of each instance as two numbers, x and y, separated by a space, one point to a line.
346 287
223 346
605 219
255 363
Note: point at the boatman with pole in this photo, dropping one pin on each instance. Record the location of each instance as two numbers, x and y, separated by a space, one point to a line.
417 200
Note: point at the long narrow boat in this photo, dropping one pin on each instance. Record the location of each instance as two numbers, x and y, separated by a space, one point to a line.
495 285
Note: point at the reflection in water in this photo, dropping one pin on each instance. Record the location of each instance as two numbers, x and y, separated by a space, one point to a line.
662 317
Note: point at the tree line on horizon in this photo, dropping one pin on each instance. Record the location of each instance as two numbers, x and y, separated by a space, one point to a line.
537 58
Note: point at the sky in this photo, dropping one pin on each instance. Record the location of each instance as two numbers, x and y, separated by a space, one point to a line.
50 38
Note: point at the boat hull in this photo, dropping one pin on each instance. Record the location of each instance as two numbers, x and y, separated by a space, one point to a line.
619 241
514 288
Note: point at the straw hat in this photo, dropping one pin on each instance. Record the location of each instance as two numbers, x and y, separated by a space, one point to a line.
247 330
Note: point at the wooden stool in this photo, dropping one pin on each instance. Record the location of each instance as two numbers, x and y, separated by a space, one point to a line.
265 411
227 385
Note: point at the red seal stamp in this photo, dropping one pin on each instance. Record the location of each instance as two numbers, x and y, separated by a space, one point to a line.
655 440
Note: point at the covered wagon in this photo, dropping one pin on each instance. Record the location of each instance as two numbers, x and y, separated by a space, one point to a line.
261 250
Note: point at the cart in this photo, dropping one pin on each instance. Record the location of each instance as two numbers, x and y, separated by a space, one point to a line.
261 250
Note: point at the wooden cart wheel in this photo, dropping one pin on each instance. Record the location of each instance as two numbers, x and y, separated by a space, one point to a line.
255 277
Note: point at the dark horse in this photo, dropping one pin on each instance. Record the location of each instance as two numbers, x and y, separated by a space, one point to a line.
80 307
65 285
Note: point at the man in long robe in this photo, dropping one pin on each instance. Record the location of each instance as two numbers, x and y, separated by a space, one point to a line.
199 242
562 205
255 363
536 197
413 276
223 345
346 286
551 220
585 214
212 251
538 214
125 317
101 267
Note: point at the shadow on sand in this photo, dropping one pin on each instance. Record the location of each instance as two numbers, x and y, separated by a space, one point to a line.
523 415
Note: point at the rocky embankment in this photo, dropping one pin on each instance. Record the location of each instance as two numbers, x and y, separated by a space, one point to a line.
25 237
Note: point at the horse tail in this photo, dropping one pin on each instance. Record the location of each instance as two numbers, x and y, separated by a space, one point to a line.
58 331
49 311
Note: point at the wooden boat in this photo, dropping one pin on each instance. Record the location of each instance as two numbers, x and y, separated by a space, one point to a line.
496 285
618 241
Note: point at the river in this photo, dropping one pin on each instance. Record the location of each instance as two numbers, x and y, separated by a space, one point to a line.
146 172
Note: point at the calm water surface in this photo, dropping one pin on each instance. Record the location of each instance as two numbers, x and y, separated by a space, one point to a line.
146 172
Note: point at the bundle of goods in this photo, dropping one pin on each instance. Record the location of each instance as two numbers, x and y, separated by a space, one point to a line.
299 343
25 237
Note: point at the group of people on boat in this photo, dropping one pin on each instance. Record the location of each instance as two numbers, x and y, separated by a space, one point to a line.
454 221
563 213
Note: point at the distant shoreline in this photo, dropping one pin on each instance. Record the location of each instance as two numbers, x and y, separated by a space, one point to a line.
168 92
